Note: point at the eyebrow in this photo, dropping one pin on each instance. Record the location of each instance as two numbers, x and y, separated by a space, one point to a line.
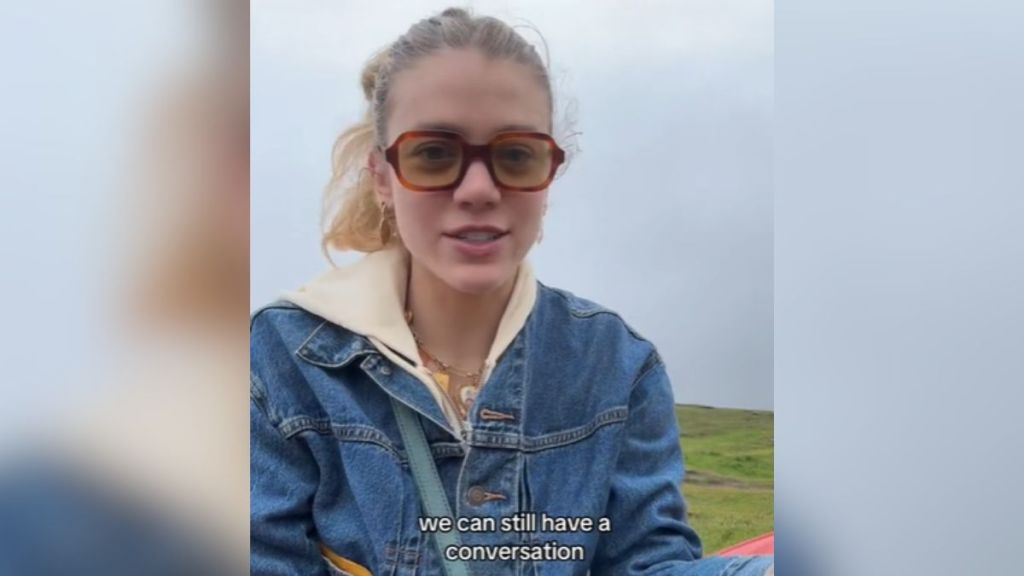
447 127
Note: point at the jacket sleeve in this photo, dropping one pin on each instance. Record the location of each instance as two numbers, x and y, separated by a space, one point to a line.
282 482
650 534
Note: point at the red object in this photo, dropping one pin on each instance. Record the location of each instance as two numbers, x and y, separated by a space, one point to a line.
760 546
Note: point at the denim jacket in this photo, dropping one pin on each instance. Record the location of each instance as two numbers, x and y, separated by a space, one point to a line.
575 420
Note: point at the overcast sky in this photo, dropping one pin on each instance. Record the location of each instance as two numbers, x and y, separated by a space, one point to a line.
664 216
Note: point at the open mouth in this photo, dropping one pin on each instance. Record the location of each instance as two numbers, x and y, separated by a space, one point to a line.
478 237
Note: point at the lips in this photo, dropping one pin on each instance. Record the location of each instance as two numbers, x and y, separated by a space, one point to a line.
477 234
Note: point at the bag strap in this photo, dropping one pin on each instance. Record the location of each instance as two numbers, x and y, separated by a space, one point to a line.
428 483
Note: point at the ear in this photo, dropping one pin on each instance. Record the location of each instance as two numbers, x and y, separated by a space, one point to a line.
380 172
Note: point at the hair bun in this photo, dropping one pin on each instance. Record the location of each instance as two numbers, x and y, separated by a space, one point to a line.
454 12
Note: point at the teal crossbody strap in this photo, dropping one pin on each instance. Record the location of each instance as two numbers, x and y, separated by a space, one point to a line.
432 495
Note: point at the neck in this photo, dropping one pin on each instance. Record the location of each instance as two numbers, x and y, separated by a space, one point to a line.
456 327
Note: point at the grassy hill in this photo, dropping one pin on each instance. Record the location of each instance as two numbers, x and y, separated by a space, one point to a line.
729 484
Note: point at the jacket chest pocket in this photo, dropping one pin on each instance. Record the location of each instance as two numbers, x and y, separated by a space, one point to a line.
378 487
362 505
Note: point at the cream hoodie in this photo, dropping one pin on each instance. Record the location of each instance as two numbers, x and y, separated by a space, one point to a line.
368 298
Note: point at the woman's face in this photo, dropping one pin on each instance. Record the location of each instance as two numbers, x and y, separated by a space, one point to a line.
448 233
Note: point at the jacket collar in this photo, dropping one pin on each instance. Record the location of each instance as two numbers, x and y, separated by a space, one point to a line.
366 298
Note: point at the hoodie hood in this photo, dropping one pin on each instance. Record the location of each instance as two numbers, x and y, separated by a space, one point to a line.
368 298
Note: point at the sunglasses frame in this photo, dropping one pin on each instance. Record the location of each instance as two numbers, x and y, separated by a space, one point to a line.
471 152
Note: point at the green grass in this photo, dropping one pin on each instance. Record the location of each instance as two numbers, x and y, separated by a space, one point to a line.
729 485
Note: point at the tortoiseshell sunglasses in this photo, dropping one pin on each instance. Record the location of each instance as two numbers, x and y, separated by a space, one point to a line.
433 160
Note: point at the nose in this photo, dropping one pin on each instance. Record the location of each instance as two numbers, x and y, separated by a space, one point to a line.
477 188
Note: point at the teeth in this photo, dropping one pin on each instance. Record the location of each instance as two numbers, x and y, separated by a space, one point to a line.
478 237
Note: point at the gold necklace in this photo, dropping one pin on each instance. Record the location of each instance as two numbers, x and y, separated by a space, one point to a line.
446 367
464 393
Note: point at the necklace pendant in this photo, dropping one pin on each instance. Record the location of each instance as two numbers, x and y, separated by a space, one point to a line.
467 395
442 380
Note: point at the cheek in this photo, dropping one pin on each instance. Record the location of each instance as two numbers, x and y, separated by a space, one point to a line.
417 215
529 212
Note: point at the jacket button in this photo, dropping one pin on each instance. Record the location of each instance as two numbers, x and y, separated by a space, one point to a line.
385 370
476 495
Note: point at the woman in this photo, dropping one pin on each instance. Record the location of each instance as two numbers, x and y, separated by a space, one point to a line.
534 403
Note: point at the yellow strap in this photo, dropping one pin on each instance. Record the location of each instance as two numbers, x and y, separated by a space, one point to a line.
343 563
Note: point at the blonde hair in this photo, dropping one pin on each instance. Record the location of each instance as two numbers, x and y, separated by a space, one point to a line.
352 219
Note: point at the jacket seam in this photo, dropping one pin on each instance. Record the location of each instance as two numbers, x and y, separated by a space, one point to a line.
358 433
524 411
258 396
298 424
338 364
553 440
256 388
278 305
598 310
652 361
578 434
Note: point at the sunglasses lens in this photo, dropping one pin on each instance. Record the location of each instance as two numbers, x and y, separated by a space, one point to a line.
435 161
522 162
430 161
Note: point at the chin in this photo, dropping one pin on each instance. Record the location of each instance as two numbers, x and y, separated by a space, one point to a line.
479 280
